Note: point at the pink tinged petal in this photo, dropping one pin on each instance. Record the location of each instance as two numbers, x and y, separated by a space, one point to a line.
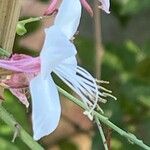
105 5
18 80
52 7
19 93
68 17
87 7
46 108
56 48
16 83
19 57
21 63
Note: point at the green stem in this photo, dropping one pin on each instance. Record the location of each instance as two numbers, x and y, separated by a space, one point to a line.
25 137
32 19
4 53
132 138
101 133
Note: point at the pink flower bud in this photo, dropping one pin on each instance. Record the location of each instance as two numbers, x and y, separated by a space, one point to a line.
87 7
52 8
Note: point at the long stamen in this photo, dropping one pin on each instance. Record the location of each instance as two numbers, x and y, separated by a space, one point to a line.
102 81
102 100
109 95
89 112
104 89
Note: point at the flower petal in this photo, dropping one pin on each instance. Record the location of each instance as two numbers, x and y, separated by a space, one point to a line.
87 7
21 63
68 17
51 8
46 108
105 5
79 80
20 95
56 48
18 80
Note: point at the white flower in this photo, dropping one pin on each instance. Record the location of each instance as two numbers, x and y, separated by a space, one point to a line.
58 55
56 50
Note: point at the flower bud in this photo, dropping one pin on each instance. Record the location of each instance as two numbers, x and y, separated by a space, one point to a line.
20 29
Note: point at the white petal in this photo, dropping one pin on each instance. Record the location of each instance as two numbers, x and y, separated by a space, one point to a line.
68 17
56 48
46 108
66 71
79 80
105 5
69 64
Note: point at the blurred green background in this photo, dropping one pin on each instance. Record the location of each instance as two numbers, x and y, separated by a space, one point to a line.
126 64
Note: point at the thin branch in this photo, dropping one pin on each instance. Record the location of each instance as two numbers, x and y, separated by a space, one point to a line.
98 40
14 125
105 120
98 58
101 133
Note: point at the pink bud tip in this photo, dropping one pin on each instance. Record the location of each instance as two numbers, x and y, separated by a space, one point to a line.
87 7
52 8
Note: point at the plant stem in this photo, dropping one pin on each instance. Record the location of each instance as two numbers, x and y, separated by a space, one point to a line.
4 53
101 133
132 138
33 19
99 50
26 138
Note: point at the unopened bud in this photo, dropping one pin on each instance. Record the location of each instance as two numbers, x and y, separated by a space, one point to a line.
20 29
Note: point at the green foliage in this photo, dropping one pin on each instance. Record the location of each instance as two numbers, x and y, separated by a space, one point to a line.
5 145
25 30
85 46
20 113
135 6
30 27
126 66
125 9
